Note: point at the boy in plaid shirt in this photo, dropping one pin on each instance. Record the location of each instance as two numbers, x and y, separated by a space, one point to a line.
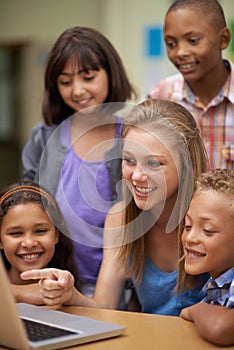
195 34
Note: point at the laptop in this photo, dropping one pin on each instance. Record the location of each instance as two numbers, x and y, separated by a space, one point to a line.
56 329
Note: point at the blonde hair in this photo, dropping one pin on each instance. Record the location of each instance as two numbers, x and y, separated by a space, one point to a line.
157 116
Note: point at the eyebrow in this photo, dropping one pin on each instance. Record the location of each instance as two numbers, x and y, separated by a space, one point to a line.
126 152
13 228
202 217
184 35
36 224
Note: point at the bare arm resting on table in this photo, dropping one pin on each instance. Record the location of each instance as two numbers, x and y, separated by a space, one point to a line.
214 323
57 286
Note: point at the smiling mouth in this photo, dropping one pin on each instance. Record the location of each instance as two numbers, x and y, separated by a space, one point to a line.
83 102
186 67
193 253
145 190
30 257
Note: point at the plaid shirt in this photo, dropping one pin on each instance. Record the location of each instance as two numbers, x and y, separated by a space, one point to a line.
226 296
215 121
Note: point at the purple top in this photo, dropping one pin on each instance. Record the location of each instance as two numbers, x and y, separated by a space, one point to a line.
84 197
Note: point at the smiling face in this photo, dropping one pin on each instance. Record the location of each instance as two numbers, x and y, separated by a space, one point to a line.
80 88
149 169
208 237
193 45
28 238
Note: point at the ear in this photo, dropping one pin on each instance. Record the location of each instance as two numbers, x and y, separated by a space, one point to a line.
225 37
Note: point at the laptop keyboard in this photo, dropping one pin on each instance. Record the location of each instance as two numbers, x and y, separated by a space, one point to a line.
37 331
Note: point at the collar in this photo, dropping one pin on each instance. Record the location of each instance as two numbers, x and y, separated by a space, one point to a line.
226 277
227 91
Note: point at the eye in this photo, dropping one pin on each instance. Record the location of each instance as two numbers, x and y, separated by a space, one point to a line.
129 161
64 82
89 78
187 228
88 75
170 44
153 164
15 234
41 231
209 232
194 40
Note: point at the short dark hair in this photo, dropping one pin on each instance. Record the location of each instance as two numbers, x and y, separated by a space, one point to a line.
209 8
93 51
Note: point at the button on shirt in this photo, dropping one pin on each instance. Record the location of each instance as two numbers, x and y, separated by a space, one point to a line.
215 121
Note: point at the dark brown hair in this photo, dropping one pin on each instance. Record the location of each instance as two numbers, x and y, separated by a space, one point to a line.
91 50
28 192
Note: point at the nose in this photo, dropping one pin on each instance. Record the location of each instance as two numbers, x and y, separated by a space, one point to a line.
139 174
182 50
29 242
78 88
190 235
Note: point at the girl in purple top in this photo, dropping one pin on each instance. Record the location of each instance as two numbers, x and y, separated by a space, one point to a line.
75 156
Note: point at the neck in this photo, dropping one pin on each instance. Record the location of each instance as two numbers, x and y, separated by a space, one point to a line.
209 86
165 217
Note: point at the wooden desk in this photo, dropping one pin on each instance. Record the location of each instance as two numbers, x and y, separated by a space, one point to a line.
144 332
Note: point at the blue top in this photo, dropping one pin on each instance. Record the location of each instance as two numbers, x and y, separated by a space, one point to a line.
156 292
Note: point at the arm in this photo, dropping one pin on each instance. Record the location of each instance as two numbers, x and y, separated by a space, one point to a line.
214 323
33 149
31 153
28 293
57 286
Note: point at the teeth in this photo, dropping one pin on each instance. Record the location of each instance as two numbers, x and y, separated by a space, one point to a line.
83 102
145 190
187 65
192 253
30 256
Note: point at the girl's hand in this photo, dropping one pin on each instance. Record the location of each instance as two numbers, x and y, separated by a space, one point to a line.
56 286
27 293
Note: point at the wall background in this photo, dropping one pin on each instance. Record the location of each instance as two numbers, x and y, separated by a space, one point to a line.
28 28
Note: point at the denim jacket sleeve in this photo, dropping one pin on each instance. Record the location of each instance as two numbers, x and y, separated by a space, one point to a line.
32 151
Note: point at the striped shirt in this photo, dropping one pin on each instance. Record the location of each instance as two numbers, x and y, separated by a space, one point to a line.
215 121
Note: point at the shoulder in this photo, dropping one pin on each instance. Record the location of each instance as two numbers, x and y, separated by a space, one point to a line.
229 64
42 132
166 86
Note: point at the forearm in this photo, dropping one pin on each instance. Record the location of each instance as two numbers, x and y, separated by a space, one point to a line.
214 323
81 300
28 293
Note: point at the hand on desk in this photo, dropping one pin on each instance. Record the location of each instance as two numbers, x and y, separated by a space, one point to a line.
56 286
214 323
